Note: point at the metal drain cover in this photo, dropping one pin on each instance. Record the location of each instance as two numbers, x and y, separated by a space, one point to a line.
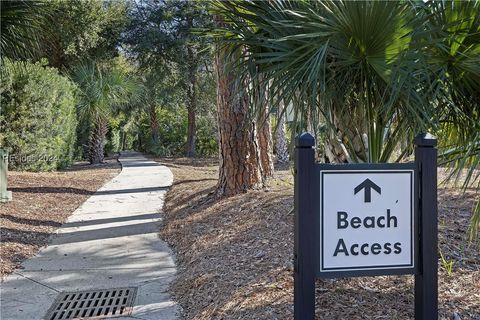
92 304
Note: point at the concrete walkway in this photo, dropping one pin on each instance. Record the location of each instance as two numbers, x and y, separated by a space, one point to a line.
111 241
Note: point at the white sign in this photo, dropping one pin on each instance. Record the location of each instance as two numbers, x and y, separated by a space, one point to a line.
366 220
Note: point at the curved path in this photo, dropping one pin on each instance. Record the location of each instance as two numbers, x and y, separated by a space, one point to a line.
111 241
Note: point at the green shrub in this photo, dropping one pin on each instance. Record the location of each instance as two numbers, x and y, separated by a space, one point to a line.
172 123
37 118
112 144
173 133
207 141
113 138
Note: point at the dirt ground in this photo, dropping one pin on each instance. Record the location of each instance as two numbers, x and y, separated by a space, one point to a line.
235 256
41 203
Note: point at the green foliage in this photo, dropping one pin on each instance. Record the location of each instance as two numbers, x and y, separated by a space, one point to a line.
173 129
375 72
37 117
207 126
349 64
113 139
447 263
103 90
372 73
164 39
474 228
84 29
460 152
207 141
456 62
165 31
173 133
115 117
23 26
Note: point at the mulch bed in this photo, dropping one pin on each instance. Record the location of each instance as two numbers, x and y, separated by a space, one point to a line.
41 203
235 256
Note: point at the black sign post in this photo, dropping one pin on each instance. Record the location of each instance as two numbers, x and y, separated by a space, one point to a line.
306 238
310 188
426 280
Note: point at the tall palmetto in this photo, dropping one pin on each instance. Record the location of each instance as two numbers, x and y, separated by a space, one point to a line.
368 74
101 90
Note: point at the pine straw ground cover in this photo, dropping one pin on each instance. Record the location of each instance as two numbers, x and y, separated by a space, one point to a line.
235 256
41 203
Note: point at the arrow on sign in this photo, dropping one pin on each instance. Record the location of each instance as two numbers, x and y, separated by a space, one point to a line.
368 185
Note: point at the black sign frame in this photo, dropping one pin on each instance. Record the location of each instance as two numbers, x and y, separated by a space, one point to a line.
307 219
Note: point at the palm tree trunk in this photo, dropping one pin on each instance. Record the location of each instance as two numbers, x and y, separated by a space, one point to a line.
97 140
155 130
124 140
265 144
282 148
344 142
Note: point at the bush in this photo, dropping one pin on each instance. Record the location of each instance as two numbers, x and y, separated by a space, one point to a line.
38 118
173 134
112 144
207 140
113 138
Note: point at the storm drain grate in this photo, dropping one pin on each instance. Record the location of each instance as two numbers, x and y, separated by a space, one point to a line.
92 304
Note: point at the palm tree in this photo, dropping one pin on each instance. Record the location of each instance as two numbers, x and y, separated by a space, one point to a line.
22 28
336 69
101 90
150 97
371 73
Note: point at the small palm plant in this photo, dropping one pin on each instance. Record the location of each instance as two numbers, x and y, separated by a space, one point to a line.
101 92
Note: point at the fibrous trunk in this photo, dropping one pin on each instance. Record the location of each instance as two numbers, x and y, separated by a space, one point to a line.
282 148
265 142
344 142
97 139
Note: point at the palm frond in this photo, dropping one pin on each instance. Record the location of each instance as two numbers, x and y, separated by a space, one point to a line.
22 27
474 228
102 90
